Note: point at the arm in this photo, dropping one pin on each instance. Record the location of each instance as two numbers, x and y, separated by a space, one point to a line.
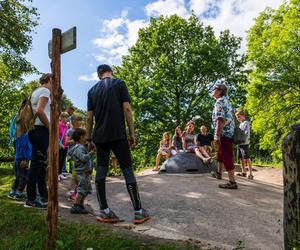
129 120
89 125
218 131
183 142
40 110
81 154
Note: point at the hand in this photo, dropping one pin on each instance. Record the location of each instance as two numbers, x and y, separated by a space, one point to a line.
91 146
23 164
131 140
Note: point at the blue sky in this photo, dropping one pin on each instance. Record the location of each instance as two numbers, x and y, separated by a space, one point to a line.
106 29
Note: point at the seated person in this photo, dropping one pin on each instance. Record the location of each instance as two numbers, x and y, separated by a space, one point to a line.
188 138
204 139
177 142
164 149
203 142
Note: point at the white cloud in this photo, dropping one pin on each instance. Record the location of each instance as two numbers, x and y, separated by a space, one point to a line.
87 78
166 8
120 33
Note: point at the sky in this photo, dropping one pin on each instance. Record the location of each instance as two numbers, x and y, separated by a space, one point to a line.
106 29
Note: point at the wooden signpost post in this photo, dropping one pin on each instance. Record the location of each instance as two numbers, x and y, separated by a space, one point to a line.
60 43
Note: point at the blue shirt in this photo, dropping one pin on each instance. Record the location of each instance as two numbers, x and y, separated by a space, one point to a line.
23 148
223 110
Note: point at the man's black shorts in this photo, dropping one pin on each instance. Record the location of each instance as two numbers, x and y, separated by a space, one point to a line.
244 152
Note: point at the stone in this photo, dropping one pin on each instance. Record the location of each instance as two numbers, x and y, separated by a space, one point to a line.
186 163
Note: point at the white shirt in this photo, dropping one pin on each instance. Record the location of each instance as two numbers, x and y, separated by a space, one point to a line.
245 126
36 95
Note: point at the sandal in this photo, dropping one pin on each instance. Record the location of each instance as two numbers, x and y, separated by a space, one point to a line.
242 174
250 177
216 175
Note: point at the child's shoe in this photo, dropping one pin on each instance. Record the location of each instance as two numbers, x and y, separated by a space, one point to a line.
12 195
140 216
78 209
242 174
107 217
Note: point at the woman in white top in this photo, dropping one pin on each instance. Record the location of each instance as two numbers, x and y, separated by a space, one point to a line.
39 138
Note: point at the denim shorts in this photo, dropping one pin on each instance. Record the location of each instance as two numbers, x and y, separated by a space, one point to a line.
84 186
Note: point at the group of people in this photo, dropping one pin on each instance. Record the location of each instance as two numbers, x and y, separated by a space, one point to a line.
108 109
186 141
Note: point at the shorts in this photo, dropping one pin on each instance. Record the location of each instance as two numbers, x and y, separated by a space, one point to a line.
163 152
243 151
83 184
225 153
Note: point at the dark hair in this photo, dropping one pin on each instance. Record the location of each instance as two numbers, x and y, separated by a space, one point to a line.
75 118
102 69
223 88
175 132
78 133
45 78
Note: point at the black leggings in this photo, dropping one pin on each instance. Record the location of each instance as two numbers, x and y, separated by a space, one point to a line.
122 152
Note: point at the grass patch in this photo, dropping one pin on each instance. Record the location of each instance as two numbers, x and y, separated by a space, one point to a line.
23 228
270 164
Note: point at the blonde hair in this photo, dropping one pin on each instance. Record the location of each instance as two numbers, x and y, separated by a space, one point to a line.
64 115
240 112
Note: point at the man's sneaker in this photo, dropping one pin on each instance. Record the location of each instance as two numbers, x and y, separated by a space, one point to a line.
229 185
140 216
12 195
109 217
216 175
35 204
78 209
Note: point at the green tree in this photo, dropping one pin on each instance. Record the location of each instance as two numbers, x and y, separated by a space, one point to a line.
273 99
170 71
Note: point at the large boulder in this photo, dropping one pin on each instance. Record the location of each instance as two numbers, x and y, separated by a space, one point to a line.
186 163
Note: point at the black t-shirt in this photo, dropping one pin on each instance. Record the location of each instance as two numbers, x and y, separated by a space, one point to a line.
204 140
106 100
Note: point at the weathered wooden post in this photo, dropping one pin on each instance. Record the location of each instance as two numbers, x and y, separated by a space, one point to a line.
291 179
53 156
59 44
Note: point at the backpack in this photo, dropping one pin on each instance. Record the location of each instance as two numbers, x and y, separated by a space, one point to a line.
239 135
25 118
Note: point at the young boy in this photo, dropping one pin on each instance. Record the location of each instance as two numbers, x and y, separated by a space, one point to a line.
243 149
81 158
23 151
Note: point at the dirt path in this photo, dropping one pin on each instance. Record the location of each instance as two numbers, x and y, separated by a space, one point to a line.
190 207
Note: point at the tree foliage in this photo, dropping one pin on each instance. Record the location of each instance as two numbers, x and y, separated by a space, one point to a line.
169 72
273 99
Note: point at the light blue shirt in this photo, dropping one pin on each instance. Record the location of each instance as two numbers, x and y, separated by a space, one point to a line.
223 110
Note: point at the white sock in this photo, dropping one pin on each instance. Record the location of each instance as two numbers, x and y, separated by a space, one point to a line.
106 210
139 211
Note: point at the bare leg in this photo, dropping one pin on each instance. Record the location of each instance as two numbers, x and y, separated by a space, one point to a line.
243 163
249 165
231 175
204 152
220 167
157 161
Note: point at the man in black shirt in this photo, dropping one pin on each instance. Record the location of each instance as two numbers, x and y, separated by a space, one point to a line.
109 103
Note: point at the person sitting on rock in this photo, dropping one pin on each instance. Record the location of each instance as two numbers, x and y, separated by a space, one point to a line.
177 141
164 149
203 141
188 137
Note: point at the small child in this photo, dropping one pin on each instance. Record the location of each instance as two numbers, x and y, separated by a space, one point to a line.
76 123
83 170
22 156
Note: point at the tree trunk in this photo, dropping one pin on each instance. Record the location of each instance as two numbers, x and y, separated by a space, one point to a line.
291 177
